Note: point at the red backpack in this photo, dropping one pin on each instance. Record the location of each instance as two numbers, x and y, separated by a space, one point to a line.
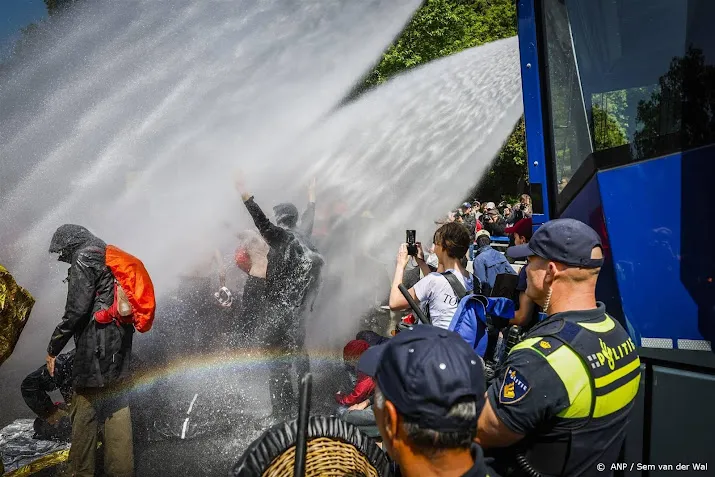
134 301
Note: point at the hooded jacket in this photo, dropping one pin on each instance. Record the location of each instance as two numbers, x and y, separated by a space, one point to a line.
489 263
102 351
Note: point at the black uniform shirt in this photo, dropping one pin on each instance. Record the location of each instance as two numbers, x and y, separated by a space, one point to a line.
527 394
480 468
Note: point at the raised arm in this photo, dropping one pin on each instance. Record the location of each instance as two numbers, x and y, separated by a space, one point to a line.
308 218
397 301
272 234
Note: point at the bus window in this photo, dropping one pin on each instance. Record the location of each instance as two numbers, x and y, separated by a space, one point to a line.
605 93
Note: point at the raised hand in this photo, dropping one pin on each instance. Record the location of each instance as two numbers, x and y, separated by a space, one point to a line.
311 190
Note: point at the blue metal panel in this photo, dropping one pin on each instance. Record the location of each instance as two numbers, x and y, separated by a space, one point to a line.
587 208
642 206
531 89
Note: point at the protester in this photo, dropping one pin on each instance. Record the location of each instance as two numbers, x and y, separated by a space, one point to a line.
477 209
359 412
103 351
525 202
292 282
451 242
488 263
52 420
252 257
569 416
430 391
493 222
363 385
470 222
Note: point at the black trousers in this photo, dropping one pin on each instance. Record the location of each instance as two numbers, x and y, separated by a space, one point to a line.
285 343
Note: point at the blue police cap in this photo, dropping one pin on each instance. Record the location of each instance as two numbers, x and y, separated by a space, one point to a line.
566 241
424 372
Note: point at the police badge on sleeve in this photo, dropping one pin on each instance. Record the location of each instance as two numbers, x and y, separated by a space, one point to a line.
514 387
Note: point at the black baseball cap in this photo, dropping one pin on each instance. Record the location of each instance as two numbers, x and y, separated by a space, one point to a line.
424 372
566 241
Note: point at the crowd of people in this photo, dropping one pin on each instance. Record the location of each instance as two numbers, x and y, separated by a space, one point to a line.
423 389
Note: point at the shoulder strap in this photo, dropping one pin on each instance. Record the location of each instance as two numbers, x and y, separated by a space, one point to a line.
566 334
456 285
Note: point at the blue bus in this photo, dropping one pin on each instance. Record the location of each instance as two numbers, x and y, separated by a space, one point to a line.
619 102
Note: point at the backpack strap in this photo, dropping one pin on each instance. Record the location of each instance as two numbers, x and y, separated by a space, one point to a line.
456 285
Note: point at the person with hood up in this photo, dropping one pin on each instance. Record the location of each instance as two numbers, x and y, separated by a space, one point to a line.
102 357
292 282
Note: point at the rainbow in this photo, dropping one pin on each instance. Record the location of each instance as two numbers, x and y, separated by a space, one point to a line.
231 361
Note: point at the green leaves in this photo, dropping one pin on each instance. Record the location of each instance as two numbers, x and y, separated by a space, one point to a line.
443 27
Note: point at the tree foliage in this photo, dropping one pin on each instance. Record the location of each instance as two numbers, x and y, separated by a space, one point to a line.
681 109
55 6
608 131
444 27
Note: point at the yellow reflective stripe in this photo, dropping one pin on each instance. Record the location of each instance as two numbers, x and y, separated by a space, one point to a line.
601 327
617 399
617 374
527 343
572 372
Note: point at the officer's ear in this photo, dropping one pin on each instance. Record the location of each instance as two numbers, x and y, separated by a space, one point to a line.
552 269
390 420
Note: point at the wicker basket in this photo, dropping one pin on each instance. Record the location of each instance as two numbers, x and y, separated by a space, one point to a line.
326 457
335 449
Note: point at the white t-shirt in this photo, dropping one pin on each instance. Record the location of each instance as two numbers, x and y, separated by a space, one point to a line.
435 291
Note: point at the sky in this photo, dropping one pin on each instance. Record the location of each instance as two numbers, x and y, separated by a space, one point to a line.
15 15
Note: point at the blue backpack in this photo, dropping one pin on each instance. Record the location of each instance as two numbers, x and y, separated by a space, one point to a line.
470 319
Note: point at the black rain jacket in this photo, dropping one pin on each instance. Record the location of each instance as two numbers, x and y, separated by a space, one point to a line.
293 270
103 351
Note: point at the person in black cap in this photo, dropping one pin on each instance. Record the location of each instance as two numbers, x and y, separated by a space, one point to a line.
561 400
430 390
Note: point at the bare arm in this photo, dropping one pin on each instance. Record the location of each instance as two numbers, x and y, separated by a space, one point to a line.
420 259
522 315
397 300
491 432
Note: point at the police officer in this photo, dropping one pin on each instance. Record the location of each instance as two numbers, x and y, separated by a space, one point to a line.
561 400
